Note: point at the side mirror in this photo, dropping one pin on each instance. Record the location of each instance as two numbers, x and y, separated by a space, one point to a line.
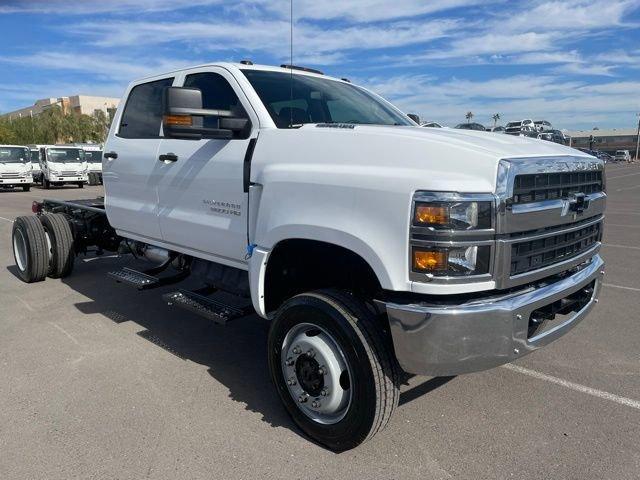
183 117
414 117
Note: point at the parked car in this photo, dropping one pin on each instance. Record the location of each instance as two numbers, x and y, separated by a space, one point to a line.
15 167
471 126
622 156
431 125
555 136
369 244
605 157
543 126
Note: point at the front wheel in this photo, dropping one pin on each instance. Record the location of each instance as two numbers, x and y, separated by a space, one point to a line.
46 184
26 188
80 184
332 363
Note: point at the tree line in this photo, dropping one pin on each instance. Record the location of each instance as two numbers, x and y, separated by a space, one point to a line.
53 126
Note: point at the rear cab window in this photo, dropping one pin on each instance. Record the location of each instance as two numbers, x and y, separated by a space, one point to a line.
142 115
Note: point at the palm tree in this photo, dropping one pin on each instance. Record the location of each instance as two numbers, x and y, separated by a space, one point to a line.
469 116
496 117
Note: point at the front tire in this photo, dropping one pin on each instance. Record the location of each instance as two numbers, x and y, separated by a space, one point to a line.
26 188
30 249
80 184
46 184
332 363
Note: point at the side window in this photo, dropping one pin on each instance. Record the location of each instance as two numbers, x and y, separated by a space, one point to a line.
217 94
142 114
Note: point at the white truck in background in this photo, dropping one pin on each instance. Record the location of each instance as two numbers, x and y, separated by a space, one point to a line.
373 246
36 171
15 167
93 157
63 164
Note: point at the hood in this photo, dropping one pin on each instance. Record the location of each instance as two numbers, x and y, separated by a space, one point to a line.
398 158
14 167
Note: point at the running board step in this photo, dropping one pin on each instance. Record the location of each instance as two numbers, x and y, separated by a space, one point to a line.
134 278
216 309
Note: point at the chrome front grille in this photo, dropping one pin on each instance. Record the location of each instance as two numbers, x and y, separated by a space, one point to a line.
538 187
550 216
11 175
530 255
69 173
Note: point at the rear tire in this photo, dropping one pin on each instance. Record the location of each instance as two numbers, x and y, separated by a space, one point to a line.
30 249
80 184
26 188
62 254
46 184
366 367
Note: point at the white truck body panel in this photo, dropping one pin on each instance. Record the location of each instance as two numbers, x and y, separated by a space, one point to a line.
348 187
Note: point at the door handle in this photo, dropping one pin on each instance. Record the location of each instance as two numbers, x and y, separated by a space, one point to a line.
168 157
113 155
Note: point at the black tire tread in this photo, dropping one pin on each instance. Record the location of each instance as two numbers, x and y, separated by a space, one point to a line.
379 350
63 255
38 261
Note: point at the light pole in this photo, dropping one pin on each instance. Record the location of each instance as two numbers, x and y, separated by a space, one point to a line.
638 138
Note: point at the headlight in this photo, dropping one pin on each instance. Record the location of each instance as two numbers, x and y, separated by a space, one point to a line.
452 261
453 215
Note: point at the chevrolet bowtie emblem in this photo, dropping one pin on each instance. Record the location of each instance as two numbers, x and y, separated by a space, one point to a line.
577 203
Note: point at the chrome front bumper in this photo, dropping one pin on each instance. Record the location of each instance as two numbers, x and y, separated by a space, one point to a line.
481 334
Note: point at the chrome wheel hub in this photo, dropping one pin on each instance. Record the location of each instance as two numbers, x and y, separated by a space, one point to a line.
316 373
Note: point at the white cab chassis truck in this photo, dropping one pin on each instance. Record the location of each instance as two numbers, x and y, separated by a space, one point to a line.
374 247
15 167
93 157
63 164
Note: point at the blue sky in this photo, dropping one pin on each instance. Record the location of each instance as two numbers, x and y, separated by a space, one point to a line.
573 62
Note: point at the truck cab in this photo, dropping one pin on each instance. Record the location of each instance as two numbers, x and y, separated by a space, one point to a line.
372 246
93 157
61 164
15 167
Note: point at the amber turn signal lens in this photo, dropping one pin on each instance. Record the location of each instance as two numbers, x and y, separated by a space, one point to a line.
432 214
429 260
178 120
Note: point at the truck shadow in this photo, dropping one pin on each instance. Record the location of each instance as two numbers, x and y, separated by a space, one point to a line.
235 354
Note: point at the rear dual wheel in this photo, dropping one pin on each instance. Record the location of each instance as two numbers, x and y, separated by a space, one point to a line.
332 363
30 249
42 246
60 244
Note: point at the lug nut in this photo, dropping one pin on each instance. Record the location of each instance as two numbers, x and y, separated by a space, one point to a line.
289 362
322 371
315 404
324 392
291 381
303 398
296 350
311 353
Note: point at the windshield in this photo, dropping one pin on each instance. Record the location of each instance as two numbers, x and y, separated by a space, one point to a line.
93 156
14 155
513 124
293 100
65 155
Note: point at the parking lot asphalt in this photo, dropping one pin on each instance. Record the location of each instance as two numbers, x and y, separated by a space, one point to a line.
99 381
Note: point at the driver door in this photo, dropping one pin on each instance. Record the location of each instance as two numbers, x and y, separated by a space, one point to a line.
202 206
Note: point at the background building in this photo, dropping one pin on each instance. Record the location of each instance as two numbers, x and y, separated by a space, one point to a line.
606 140
80 104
